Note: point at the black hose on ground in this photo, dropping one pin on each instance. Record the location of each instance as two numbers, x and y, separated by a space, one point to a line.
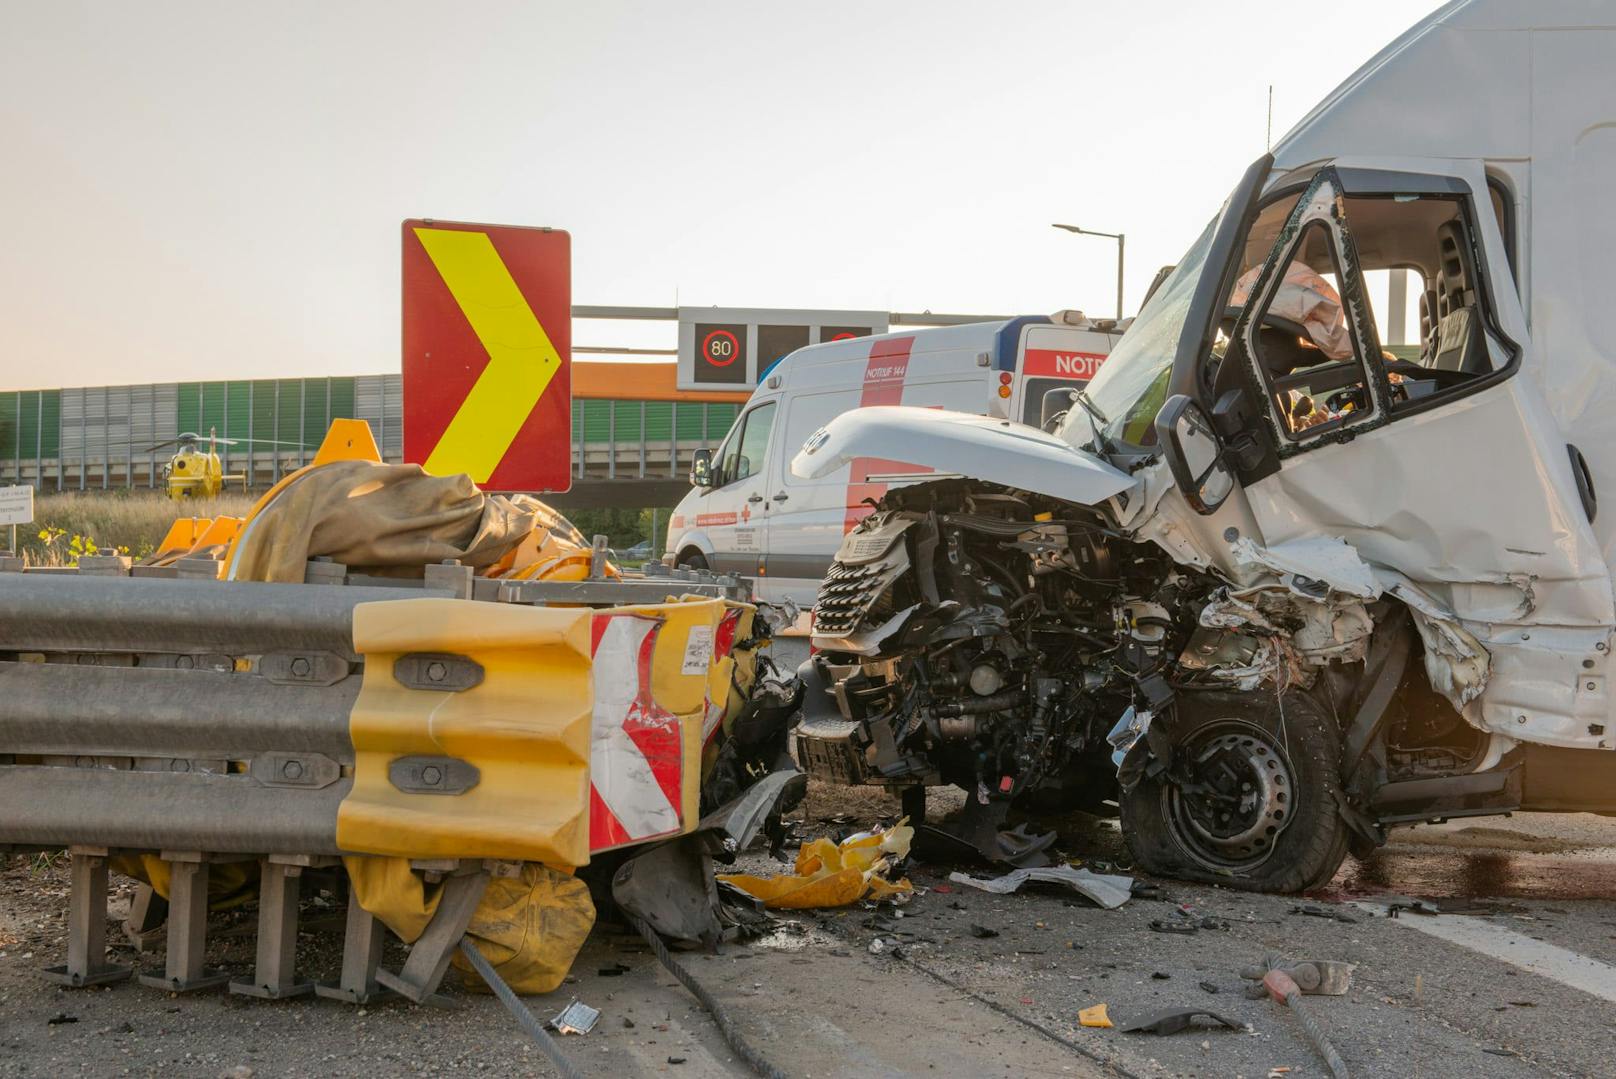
726 1025
524 1018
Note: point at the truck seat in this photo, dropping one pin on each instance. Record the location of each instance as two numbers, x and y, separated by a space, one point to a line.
1460 342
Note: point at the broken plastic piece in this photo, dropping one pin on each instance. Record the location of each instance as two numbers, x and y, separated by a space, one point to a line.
1108 891
1313 911
1174 1020
834 875
1094 1016
576 1018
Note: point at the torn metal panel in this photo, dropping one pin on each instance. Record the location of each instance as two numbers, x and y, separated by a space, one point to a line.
1456 663
1326 559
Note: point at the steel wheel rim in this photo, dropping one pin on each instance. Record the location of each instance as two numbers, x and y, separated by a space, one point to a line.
1253 801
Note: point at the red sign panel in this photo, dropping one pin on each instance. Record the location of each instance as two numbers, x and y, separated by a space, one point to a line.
487 360
1056 363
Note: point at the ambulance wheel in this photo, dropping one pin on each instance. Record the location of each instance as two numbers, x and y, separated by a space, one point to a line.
692 559
1250 800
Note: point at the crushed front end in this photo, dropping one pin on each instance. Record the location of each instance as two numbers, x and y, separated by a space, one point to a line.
990 639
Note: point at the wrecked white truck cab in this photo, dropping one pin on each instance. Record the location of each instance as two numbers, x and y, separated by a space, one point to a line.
1270 585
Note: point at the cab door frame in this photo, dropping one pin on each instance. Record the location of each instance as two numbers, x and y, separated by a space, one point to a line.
1468 497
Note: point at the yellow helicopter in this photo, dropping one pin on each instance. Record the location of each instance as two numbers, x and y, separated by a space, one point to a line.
194 472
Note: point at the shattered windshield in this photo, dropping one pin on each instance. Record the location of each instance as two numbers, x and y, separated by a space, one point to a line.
1132 383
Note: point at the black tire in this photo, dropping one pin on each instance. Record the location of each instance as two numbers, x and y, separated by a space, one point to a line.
1279 834
692 559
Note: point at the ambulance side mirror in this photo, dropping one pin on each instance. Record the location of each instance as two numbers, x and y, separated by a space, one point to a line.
1194 453
701 469
1057 402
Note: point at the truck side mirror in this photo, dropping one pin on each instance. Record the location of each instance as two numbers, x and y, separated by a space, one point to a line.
701 469
1057 402
1194 453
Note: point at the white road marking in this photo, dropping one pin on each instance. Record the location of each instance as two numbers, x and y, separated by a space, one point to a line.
1499 942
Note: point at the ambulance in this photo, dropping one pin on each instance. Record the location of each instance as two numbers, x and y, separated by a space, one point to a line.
746 514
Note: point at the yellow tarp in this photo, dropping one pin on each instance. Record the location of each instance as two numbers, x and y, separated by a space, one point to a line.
230 884
529 927
834 875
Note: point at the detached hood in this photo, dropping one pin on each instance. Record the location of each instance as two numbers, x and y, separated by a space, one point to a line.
885 442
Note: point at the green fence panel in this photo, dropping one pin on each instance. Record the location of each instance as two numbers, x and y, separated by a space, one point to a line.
659 420
597 421
188 410
50 433
289 402
628 420
237 409
213 417
342 398
10 425
263 410
316 401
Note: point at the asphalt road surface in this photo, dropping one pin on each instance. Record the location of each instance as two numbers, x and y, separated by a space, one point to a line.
1517 978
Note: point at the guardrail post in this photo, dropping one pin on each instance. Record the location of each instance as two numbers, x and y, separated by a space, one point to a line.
183 967
275 965
147 913
87 924
597 558
361 955
429 957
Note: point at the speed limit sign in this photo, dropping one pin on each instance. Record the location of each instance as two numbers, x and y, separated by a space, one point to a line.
721 353
721 347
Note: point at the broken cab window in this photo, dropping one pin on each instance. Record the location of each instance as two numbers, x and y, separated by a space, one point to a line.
1302 344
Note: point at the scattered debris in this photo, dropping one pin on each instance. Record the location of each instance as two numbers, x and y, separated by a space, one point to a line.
676 1060
1208 987
1313 911
1109 892
59 1018
1160 975
1094 1016
1501 1052
1284 981
831 874
616 970
576 1018
1174 1020
628 1024
1157 925
982 932
1398 904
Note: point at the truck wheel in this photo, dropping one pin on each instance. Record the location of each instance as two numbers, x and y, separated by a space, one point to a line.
1250 801
692 559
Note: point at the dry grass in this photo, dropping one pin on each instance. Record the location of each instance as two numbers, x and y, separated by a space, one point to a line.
136 520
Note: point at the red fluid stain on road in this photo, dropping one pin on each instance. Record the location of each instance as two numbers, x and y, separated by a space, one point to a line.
1436 872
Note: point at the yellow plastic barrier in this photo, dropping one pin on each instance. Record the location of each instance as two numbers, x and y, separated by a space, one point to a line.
525 727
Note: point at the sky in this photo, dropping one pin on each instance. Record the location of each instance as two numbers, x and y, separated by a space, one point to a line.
198 190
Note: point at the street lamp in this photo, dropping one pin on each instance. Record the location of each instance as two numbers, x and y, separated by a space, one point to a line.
1121 240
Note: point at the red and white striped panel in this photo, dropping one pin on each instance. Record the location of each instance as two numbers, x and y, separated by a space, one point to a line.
884 376
636 749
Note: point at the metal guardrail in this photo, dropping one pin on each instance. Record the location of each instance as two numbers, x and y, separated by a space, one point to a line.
168 714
